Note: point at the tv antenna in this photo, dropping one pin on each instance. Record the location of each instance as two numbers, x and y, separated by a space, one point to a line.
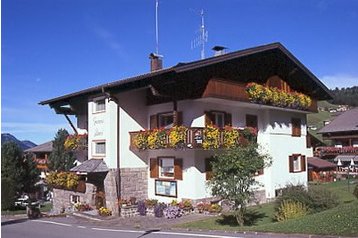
200 40
156 28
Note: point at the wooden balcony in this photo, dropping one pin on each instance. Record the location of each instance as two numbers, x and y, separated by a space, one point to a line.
217 88
191 138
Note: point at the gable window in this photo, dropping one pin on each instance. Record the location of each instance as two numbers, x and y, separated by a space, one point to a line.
99 148
297 163
296 127
100 105
218 118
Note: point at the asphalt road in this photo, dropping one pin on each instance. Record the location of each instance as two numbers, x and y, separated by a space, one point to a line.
66 228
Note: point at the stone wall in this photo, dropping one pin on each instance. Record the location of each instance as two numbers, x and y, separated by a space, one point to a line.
134 183
110 188
61 198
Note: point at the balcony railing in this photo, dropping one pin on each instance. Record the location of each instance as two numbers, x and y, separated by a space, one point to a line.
181 137
330 150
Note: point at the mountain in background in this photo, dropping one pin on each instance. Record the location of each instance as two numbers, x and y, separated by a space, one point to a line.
24 145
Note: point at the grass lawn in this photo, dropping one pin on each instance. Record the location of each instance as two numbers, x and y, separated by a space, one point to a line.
341 220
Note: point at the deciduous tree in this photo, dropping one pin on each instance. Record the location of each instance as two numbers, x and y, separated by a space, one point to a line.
234 176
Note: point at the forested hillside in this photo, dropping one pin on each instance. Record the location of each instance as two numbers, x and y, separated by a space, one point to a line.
346 96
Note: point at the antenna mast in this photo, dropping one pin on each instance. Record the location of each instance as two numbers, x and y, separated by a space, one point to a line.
202 38
156 27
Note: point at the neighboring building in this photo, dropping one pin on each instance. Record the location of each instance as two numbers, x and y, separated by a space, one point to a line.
320 170
40 155
196 94
343 130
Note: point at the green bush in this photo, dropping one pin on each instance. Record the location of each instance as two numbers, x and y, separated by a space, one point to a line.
296 193
321 199
355 192
315 198
7 194
290 209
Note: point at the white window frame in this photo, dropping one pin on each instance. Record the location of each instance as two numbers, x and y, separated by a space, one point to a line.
296 163
97 102
168 160
94 148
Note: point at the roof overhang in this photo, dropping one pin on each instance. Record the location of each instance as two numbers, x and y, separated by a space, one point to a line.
272 58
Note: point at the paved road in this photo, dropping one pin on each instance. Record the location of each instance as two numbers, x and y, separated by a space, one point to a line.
68 228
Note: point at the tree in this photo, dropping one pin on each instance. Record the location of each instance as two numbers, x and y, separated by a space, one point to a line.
234 176
18 174
61 159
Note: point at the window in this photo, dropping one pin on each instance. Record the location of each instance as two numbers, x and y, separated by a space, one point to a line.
251 121
165 120
100 105
219 119
166 167
296 127
297 163
99 148
209 168
74 199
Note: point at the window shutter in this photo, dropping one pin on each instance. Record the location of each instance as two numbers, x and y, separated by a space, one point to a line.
178 169
290 163
180 118
296 126
209 120
228 119
154 168
208 169
153 121
303 163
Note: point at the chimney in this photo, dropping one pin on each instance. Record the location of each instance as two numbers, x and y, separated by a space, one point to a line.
156 62
219 50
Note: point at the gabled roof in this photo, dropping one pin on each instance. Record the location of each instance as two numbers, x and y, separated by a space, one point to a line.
45 147
319 163
141 81
91 166
347 121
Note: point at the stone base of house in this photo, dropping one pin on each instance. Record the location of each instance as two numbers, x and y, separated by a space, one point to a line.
134 183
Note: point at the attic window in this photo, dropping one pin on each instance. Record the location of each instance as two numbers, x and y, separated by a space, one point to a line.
100 105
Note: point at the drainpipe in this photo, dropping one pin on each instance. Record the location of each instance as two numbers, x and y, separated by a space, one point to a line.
116 101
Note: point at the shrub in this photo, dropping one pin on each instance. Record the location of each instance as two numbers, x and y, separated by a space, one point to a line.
321 199
103 211
186 205
63 180
316 199
151 202
297 193
172 212
215 208
159 209
83 207
203 207
142 208
290 209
